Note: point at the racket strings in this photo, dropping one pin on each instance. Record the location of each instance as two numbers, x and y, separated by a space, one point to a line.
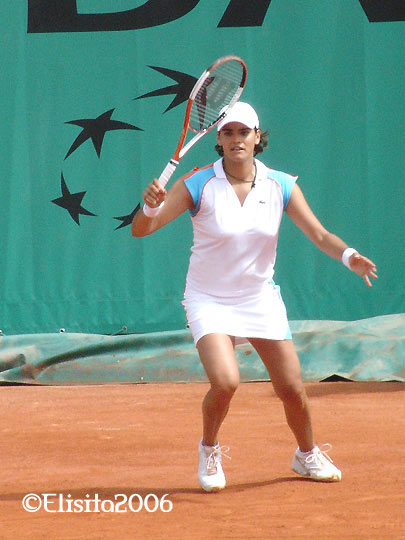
219 89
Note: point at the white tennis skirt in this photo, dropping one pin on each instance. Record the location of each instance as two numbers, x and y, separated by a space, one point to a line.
255 316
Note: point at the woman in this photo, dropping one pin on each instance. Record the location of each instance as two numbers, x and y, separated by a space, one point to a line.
236 206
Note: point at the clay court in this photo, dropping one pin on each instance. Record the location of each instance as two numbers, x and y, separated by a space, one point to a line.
114 441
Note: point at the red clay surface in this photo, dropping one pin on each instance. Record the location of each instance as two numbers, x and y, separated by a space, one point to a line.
142 439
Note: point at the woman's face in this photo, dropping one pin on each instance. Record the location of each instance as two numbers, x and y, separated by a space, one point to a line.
238 141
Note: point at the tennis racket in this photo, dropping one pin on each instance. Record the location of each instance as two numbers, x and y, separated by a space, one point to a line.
216 91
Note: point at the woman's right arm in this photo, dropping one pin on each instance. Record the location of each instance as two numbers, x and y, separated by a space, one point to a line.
176 201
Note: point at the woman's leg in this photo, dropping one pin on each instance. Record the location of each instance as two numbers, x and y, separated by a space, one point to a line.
218 358
283 366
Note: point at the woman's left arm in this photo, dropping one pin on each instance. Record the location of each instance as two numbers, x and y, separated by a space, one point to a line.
301 214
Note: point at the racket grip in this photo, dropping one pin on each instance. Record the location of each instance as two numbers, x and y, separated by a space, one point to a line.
167 172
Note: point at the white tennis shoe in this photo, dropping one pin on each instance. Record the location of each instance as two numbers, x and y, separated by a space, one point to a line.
316 464
210 473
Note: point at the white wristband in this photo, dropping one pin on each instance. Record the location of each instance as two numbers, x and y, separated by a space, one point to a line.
151 212
348 252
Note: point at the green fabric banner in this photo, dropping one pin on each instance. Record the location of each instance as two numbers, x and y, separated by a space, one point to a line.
93 98
366 350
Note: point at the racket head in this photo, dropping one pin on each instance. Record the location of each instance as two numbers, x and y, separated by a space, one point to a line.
218 89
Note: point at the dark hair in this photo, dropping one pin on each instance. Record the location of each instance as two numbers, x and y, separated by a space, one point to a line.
259 147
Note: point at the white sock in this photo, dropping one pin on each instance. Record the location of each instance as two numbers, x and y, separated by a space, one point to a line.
305 454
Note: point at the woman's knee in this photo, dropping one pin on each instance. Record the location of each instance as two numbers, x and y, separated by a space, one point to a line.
292 394
225 387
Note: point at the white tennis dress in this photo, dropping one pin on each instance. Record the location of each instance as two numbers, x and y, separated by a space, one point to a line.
229 286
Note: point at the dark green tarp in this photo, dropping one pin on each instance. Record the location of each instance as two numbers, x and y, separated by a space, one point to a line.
365 350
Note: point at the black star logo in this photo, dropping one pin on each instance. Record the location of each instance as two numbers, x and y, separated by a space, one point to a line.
95 129
127 220
181 90
72 202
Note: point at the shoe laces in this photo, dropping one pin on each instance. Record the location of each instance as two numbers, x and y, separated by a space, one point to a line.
214 458
320 455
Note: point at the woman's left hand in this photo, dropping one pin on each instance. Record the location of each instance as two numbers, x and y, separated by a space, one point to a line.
363 267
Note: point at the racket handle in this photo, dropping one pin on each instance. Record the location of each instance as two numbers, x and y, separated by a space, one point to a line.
168 171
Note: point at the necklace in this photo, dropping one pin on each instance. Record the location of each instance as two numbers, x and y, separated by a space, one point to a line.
239 179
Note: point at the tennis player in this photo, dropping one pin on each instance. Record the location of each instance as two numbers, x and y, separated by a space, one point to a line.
236 205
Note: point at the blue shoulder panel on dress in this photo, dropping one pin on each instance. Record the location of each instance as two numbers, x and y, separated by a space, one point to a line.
195 184
286 183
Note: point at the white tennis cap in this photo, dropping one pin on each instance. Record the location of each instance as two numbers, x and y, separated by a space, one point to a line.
243 113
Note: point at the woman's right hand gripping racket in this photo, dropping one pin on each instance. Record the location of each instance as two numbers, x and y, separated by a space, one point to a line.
218 88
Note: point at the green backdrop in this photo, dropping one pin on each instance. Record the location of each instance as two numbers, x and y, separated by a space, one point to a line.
79 141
